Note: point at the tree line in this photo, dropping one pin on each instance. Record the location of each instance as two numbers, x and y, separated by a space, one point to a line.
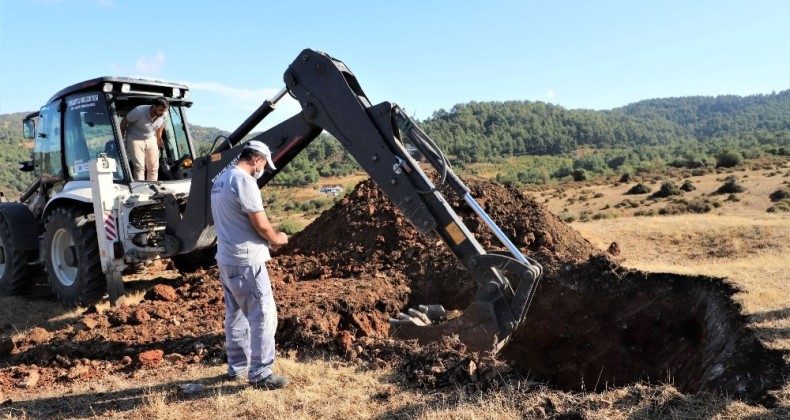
485 131
692 132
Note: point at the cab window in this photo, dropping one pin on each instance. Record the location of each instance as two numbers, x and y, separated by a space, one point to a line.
46 149
175 136
88 133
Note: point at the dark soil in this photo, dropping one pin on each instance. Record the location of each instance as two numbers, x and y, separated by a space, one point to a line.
592 324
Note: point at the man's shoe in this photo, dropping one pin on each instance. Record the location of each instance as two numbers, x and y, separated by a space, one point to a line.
235 378
271 382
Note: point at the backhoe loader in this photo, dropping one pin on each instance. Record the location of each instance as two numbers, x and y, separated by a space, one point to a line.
85 220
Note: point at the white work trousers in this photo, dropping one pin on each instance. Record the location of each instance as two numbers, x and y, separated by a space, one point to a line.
144 156
250 320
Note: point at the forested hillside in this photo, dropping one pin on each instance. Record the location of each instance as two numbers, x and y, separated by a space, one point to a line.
689 131
12 151
483 131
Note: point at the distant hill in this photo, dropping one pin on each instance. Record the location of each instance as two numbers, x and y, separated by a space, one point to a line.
12 151
694 127
481 131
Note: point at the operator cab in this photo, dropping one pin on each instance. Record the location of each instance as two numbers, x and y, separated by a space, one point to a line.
83 121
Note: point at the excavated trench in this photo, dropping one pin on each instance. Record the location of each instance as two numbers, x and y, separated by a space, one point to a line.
592 325
591 328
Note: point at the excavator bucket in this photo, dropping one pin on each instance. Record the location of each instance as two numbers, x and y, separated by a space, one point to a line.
494 314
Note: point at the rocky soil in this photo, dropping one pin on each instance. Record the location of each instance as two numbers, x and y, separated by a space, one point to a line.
592 324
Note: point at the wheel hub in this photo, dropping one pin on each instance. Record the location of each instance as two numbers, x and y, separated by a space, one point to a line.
64 258
70 256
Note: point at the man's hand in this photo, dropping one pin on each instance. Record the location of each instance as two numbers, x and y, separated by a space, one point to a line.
282 239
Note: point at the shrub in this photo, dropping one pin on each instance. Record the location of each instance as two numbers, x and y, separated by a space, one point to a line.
639 188
728 159
780 195
579 175
567 217
668 188
684 206
627 204
585 216
699 206
687 186
603 215
730 186
781 206
290 227
651 212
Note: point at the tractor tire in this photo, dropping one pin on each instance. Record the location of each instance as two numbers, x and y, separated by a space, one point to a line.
71 255
14 269
200 259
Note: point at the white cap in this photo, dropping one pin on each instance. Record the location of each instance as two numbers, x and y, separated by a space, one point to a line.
263 149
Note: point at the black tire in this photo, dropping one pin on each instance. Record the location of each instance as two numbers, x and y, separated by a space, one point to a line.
71 255
203 258
14 269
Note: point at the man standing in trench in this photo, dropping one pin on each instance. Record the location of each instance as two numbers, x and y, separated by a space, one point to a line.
244 236
142 128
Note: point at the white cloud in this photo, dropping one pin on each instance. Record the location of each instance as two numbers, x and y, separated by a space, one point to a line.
144 67
150 65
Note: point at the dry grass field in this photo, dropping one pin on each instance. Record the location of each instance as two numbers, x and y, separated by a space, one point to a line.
738 240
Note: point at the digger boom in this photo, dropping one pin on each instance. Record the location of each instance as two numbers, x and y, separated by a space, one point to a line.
332 100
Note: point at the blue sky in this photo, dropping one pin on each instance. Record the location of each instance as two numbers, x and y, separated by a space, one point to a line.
424 55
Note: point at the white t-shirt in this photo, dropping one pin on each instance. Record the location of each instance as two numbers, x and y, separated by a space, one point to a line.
234 195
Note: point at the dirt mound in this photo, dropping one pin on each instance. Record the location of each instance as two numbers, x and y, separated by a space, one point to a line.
366 234
592 324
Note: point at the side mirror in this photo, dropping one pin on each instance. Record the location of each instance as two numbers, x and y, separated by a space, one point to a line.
26 166
29 129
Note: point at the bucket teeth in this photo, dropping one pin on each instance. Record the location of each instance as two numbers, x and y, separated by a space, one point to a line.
422 316
434 312
403 319
419 315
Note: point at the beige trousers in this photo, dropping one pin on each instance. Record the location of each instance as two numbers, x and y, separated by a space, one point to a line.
144 156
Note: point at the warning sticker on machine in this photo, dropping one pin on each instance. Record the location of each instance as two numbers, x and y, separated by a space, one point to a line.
455 233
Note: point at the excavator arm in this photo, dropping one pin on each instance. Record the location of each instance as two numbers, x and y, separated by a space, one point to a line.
331 99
